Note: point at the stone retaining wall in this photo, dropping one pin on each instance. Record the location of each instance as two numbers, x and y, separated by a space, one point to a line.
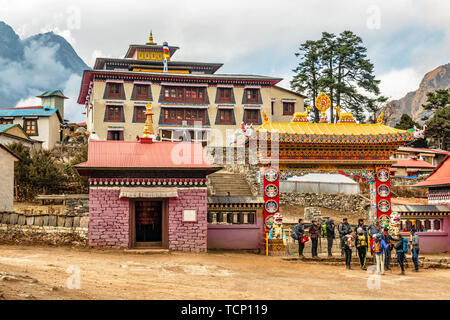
340 202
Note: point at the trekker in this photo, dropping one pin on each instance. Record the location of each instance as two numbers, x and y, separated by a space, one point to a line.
297 234
373 229
348 246
360 225
387 238
379 248
314 231
344 229
361 243
415 250
330 235
402 248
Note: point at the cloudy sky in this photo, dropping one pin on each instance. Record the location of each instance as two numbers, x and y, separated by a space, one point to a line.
405 39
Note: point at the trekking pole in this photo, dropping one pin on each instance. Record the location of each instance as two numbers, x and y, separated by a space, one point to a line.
289 241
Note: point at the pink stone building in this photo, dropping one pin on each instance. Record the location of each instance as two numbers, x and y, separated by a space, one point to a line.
147 194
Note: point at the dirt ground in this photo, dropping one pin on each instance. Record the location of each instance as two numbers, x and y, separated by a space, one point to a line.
42 273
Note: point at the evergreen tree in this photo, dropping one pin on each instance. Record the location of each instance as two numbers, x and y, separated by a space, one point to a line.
438 128
406 122
437 99
306 80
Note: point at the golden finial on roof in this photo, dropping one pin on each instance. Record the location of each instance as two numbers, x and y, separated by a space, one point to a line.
265 117
150 38
323 103
344 117
148 126
380 118
301 116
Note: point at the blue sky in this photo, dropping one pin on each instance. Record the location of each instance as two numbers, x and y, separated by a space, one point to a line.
405 38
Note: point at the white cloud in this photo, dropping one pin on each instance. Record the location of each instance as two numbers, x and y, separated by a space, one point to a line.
398 82
28 102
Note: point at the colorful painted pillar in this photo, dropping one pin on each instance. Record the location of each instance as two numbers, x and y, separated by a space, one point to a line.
271 197
383 194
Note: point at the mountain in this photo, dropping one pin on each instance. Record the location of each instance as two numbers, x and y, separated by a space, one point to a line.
42 62
411 103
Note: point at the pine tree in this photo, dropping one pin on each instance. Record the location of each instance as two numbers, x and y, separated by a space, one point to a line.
438 128
306 80
406 122
437 99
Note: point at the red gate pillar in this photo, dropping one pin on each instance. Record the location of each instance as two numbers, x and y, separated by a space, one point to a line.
271 196
383 193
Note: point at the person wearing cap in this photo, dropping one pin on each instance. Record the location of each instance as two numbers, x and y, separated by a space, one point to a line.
379 249
362 244
360 225
344 228
314 231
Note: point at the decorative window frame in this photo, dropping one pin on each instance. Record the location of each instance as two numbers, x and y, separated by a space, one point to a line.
133 93
105 119
259 115
37 125
137 105
244 95
233 100
233 117
122 90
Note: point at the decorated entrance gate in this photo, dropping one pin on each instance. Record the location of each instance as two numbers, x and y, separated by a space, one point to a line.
345 147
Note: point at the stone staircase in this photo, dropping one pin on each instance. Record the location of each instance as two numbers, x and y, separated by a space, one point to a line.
224 183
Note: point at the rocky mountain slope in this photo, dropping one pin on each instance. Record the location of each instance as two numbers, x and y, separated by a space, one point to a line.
411 103
42 62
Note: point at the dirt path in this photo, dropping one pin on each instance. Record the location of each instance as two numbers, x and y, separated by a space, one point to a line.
40 273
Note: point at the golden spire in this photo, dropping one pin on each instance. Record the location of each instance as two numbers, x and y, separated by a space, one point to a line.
148 127
150 38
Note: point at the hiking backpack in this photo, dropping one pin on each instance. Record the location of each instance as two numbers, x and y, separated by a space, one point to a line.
362 241
324 230
405 245
377 247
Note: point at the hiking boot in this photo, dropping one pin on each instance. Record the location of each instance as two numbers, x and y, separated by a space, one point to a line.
415 270
403 273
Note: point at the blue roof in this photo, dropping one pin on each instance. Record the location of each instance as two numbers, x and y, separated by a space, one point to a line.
26 112
6 127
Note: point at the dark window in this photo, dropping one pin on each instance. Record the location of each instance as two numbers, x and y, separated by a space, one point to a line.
30 127
139 114
437 224
176 116
288 108
6 121
184 94
225 116
114 91
271 106
114 113
251 116
224 95
251 95
115 135
141 91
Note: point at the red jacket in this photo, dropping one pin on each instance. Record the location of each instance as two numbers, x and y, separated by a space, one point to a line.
314 231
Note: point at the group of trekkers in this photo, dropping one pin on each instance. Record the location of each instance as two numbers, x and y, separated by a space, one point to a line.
374 238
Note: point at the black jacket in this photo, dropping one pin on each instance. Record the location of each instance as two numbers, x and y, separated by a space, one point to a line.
299 230
330 229
344 228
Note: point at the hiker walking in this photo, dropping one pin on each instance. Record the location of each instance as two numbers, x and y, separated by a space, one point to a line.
415 249
330 227
348 246
344 229
373 229
387 238
297 234
379 248
361 244
402 248
314 231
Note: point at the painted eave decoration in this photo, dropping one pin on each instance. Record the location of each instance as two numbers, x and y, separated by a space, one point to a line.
341 133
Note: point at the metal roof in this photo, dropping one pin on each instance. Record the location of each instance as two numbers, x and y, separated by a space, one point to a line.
57 93
6 127
420 208
332 178
137 155
38 111
440 176
412 163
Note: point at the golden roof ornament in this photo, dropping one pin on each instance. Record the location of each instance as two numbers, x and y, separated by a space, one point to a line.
345 116
323 103
150 38
301 116
380 118
148 126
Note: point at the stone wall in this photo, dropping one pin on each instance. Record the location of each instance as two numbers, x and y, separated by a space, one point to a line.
340 202
188 236
109 219
43 229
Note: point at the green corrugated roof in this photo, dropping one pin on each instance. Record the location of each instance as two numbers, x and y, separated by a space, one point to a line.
53 93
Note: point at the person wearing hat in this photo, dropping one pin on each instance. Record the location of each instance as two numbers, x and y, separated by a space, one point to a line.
387 238
344 228
362 244
379 248
314 231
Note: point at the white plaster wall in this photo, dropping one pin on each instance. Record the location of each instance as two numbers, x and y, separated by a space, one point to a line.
7 184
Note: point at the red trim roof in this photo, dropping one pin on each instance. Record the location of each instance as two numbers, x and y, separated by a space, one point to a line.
35 107
439 177
412 163
136 155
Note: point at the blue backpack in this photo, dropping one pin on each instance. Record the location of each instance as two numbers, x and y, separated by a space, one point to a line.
405 245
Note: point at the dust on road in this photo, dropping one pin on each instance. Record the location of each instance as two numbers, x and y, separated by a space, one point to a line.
42 273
